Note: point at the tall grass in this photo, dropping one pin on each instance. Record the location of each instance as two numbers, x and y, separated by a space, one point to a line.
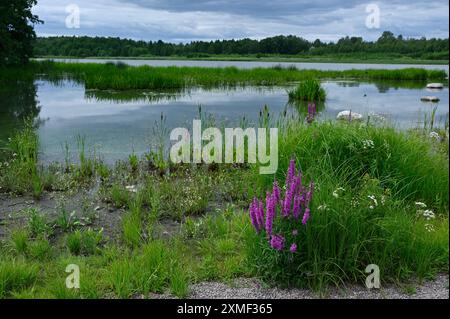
351 164
406 164
110 76
308 90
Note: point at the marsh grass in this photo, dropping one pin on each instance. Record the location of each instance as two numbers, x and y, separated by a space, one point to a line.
349 231
308 90
84 242
16 275
111 77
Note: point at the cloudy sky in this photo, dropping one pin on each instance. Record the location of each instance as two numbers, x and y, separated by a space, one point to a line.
184 21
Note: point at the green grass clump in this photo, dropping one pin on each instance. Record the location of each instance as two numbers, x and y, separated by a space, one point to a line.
308 90
16 275
84 242
144 271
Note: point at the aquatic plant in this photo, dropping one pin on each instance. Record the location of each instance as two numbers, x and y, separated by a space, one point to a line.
308 90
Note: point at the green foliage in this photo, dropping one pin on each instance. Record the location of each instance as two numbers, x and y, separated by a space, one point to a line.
279 45
16 275
16 31
144 271
19 240
84 242
308 90
38 226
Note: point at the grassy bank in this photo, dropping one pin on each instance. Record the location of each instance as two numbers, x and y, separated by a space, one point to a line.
362 59
148 226
123 77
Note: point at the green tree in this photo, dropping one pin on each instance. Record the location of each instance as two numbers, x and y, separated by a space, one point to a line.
16 31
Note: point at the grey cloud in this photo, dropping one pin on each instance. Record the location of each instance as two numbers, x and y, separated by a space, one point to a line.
177 20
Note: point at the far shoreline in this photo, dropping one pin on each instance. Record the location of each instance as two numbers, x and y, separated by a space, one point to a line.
263 59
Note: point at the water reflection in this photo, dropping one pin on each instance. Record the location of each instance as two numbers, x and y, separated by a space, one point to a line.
117 123
18 101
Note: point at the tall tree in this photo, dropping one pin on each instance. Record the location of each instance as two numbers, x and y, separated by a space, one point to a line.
16 31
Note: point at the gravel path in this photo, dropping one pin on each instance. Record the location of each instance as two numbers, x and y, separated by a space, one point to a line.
250 289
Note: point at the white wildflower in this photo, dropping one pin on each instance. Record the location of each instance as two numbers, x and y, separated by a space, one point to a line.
368 144
429 214
435 135
322 207
131 188
374 200
354 202
421 205
429 227
338 191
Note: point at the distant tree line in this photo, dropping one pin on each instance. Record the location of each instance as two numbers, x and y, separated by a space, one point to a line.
387 44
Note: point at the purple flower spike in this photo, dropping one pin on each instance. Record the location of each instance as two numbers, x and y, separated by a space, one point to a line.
277 242
306 216
260 215
276 192
270 213
290 173
253 214
296 210
293 248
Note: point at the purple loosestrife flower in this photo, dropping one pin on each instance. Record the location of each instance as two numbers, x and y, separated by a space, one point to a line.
260 215
290 173
293 248
306 216
309 194
270 212
253 214
277 242
276 192
296 210
287 203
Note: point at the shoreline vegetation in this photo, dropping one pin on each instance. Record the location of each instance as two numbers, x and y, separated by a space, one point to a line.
378 193
345 59
388 47
120 76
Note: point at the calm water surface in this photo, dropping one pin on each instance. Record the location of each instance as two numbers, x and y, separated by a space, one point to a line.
114 127
257 64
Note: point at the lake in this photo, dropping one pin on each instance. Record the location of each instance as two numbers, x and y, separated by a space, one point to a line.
115 125
259 64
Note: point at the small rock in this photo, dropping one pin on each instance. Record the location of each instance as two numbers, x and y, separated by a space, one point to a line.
429 99
435 86
349 116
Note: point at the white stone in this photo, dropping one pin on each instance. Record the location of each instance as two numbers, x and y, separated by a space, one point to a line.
435 86
429 99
